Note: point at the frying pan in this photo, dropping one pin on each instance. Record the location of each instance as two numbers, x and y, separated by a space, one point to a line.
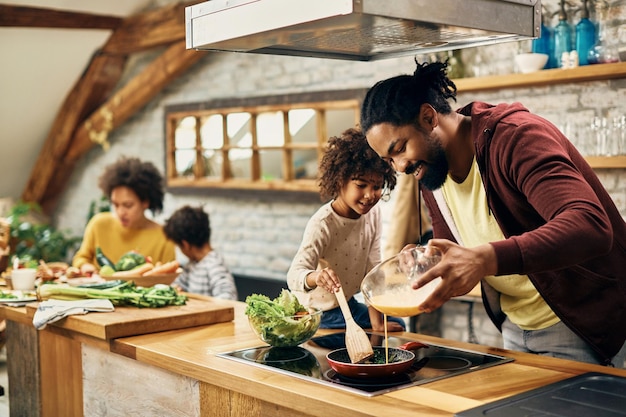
403 360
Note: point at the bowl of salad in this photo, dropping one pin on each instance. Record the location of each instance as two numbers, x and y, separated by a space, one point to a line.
282 321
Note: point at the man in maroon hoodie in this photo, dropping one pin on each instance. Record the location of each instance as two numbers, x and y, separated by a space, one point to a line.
514 206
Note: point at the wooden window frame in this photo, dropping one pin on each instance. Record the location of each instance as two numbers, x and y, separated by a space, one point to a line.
320 102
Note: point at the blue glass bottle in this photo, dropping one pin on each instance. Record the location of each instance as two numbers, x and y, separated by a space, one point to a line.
585 35
562 36
541 45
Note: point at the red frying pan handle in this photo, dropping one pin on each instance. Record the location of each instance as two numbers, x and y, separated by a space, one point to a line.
412 345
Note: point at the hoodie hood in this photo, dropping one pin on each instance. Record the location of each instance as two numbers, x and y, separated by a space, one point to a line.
485 117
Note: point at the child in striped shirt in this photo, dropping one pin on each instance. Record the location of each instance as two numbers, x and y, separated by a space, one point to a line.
206 272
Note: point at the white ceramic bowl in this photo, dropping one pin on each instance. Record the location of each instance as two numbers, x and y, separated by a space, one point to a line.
530 62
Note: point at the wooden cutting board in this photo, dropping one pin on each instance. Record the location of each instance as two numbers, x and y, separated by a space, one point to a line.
132 321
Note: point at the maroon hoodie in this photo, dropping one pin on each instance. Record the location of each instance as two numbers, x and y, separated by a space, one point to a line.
562 228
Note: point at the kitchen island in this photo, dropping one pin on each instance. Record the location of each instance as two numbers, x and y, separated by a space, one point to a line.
177 372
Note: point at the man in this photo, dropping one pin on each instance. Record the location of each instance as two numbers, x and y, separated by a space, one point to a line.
514 206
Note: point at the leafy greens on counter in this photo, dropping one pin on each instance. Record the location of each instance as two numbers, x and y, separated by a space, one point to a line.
282 321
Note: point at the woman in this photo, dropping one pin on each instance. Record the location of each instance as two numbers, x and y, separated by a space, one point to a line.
133 187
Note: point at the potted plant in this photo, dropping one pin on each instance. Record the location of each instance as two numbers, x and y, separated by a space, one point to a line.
32 240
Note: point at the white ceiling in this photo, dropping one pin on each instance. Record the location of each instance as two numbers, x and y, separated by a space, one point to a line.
38 67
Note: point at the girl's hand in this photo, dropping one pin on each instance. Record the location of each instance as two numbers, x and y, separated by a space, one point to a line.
392 326
325 278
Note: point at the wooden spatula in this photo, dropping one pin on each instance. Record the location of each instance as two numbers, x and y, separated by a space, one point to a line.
358 344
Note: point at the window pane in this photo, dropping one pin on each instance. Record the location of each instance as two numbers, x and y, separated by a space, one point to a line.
302 125
339 120
184 162
238 128
239 164
213 162
270 129
212 132
185 134
305 164
271 165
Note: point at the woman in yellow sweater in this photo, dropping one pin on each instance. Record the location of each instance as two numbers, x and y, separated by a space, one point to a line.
133 187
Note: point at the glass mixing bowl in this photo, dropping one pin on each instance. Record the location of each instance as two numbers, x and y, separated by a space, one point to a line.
287 331
387 287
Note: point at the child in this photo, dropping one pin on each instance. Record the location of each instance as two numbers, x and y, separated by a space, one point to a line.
341 242
206 272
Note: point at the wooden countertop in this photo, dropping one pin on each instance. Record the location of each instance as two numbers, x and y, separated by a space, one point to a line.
191 352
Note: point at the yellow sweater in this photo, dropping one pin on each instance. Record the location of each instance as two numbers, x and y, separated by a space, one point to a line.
105 231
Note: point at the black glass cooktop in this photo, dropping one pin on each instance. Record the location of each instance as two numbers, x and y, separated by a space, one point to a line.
308 361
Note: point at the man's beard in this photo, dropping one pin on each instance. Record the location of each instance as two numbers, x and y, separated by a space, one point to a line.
436 170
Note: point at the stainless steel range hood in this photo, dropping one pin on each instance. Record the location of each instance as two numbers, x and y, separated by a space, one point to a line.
363 30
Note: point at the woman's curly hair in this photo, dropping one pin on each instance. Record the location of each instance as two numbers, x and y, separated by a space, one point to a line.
349 156
190 224
141 177
398 100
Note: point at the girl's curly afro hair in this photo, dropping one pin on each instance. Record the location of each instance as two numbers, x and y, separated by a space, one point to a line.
348 156
141 177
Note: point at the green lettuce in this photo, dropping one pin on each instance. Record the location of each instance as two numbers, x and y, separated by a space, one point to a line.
282 321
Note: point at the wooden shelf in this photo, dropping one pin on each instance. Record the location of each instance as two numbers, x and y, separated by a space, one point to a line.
607 161
543 77
597 72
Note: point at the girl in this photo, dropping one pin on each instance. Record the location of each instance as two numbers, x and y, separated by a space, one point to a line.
344 234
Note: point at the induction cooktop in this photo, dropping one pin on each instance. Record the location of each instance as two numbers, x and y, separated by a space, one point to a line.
308 362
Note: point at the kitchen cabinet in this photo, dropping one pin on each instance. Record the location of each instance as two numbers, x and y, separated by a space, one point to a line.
179 372
556 76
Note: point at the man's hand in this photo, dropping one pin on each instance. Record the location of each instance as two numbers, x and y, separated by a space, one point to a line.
460 269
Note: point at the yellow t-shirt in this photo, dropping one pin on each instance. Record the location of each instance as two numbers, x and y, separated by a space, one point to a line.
519 299
105 231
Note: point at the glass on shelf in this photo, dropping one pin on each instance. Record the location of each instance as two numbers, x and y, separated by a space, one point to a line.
609 134
603 53
603 136
619 130
605 50
456 67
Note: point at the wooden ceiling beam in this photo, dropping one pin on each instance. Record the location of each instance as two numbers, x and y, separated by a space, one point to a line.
94 86
35 17
132 97
148 30
115 111
85 119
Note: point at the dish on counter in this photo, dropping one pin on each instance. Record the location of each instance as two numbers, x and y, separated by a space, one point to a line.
94 279
147 281
17 296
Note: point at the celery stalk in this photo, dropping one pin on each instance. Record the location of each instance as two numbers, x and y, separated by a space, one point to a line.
125 294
